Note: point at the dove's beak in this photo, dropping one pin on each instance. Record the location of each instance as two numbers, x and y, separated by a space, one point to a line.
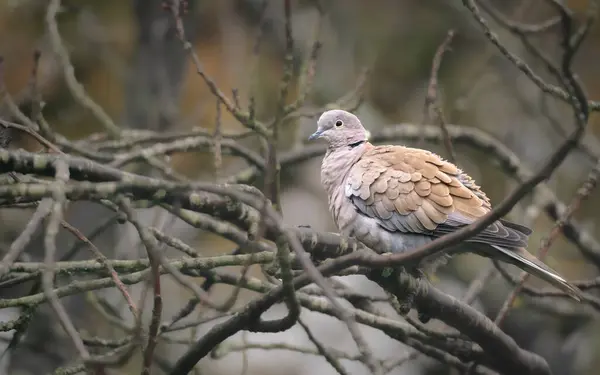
315 135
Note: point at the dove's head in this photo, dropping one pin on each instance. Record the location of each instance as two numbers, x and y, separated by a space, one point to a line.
339 128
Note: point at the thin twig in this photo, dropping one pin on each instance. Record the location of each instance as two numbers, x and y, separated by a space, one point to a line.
62 175
69 72
431 99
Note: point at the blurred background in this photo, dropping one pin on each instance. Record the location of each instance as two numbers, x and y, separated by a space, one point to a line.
128 58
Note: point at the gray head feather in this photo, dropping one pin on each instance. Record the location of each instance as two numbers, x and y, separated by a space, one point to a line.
339 128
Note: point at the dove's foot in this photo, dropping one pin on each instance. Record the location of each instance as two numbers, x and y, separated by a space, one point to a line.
420 276
424 317
406 304
408 301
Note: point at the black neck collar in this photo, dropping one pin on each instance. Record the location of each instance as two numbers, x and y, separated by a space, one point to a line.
355 144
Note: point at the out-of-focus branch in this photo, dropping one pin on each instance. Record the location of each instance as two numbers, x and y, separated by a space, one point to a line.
519 63
432 106
69 72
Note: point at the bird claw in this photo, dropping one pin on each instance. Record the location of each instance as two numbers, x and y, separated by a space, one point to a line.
405 307
424 317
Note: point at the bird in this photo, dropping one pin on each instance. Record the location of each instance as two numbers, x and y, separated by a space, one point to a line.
394 199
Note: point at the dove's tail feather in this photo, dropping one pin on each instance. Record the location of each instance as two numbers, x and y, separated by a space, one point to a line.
521 258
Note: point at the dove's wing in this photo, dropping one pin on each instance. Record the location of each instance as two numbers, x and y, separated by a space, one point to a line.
415 191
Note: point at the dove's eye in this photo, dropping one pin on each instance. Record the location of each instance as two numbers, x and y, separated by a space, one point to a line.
339 123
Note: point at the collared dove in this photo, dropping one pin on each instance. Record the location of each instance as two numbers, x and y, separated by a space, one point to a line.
396 198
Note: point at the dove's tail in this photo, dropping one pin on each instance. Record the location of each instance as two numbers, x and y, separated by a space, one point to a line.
521 258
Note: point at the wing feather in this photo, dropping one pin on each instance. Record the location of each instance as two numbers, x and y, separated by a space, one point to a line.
415 191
